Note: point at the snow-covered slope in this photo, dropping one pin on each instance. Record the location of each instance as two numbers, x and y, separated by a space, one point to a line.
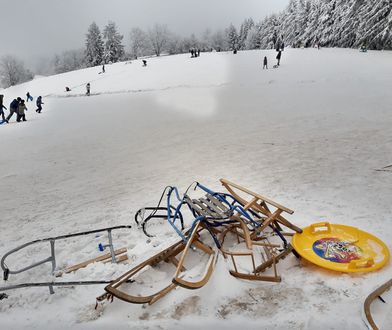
309 135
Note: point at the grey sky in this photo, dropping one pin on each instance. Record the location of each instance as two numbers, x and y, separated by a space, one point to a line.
31 28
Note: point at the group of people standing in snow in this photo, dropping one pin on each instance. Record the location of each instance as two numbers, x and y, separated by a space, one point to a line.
194 52
18 107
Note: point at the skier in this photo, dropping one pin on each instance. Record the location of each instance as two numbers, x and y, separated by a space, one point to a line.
21 111
67 89
2 107
144 62
28 97
278 57
88 89
39 104
265 63
103 68
13 108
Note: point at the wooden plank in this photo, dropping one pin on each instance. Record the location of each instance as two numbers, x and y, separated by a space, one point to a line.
97 259
217 202
214 207
206 210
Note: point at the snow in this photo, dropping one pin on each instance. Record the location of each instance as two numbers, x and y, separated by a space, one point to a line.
309 135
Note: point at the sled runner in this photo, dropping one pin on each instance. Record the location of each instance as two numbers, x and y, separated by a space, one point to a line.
383 311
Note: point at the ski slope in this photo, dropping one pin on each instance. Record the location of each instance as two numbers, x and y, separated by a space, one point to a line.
311 135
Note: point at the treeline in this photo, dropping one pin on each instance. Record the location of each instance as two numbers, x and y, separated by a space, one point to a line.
329 23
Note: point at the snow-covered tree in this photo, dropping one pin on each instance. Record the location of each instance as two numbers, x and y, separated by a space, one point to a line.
253 39
113 49
376 24
218 40
206 40
243 34
232 37
13 71
68 61
139 42
94 46
159 37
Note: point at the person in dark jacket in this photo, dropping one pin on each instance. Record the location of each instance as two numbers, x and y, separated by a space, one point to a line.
39 104
2 107
28 97
265 63
278 57
14 108
21 111
88 89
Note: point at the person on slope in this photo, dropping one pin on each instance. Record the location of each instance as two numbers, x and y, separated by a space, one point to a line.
28 97
13 108
21 111
88 89
2 107
265 63
278 57
39 104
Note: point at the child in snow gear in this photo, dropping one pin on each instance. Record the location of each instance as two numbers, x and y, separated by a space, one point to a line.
13 108
88 89
28 97
265 63
278 57
39 104
21 111
2 107
144 63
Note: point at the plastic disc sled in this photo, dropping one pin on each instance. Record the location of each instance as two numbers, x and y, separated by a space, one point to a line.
341 248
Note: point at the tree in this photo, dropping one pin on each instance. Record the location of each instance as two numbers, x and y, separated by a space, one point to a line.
253 38
68 61
232 37
12 71
243 34
94 46
113 50
139 42
159 37
219 41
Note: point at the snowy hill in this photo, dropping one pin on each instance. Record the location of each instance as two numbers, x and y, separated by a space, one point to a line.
310 135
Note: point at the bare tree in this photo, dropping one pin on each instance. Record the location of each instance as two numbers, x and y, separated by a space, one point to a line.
139 42
159 37
12 71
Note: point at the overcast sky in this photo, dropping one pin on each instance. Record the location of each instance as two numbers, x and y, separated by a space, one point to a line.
31 28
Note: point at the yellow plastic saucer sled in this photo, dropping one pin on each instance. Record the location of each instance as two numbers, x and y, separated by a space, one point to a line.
341 248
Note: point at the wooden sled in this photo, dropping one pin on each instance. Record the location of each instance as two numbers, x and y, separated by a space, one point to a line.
368 302
169 255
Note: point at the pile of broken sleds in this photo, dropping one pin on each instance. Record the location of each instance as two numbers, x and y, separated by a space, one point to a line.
247 229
